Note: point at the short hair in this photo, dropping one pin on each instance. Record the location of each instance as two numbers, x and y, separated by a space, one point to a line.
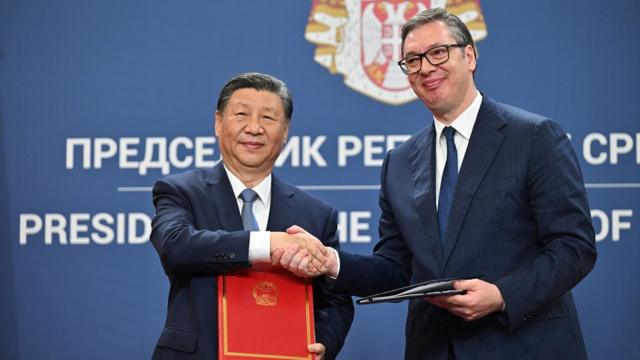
457 28
260 82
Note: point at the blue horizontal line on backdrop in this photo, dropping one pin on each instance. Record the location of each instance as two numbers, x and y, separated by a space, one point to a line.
377 187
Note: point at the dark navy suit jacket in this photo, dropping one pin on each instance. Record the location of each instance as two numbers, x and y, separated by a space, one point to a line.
519 217
197 232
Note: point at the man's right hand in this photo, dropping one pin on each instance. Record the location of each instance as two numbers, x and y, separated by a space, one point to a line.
301 248
301 264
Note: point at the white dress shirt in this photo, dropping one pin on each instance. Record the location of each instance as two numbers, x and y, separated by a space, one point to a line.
463 125
259 241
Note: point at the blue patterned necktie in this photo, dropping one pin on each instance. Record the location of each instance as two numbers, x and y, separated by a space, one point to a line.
249 222
448 183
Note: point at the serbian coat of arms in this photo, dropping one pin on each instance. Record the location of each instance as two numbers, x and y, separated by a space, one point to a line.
361 40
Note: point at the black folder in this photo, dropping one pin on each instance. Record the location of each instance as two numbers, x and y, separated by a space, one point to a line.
419 290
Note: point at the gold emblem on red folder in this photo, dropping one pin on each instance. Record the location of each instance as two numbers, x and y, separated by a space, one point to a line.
266 293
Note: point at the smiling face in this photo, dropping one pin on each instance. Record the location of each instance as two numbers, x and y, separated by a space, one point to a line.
446 89
251 131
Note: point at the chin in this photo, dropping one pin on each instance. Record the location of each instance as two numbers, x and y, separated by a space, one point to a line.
252 162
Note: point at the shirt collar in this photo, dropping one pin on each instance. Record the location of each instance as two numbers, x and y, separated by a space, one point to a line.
463 124
263 188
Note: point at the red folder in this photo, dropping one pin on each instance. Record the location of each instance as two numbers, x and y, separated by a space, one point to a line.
264 313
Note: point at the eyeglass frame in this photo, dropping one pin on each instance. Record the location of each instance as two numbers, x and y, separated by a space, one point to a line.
424 55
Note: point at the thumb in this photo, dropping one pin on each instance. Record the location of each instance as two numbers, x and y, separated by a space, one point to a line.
317 348
466 284
295 229
461 285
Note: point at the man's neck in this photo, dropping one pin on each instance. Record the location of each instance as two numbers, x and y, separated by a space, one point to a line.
248 178
449 117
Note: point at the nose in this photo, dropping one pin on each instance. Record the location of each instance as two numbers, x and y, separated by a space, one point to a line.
253 126
425 66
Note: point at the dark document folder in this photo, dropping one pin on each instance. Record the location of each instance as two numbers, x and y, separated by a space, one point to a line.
420 290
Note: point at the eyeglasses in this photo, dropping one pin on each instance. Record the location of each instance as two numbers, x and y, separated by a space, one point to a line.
437 55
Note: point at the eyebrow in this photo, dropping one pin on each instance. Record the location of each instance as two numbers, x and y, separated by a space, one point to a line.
244 104
431 46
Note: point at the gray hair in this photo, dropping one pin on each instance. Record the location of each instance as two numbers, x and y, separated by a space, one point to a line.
457 28
257 81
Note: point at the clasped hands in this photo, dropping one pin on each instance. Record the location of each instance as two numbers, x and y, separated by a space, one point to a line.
301 253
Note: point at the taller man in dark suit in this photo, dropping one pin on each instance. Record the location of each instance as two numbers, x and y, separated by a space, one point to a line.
485 189
198 227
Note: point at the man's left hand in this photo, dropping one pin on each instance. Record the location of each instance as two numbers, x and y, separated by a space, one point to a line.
319 349
482 298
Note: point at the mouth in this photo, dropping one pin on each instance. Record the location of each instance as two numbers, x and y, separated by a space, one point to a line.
251 145
432 84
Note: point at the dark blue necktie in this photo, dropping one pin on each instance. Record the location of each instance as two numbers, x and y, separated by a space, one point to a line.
249 222
448 183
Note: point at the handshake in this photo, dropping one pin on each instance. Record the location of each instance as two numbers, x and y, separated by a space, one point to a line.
302 253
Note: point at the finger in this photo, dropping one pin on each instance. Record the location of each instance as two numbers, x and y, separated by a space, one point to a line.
318 250
303 265
297 258
317 254
289 253
318 263
310 242
310 270
466 284
445 301
276 257
454 300
317 348
295 229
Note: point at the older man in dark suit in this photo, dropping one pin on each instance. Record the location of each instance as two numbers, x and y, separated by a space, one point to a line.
199 230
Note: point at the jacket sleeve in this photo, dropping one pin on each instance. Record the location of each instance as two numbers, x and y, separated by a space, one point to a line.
389 266
182 246
333 311
558 202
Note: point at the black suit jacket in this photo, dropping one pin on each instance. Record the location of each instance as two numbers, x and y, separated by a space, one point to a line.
197 232
519 217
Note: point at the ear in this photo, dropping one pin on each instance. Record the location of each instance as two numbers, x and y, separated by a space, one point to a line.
471 57
217 123
285 133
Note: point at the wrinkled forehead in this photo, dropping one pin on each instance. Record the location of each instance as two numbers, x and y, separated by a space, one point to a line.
250 98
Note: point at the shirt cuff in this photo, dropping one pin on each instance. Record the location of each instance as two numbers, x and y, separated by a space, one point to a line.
260 246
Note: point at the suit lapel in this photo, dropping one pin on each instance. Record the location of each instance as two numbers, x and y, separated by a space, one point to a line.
284 208
484 143
219 190
422 164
